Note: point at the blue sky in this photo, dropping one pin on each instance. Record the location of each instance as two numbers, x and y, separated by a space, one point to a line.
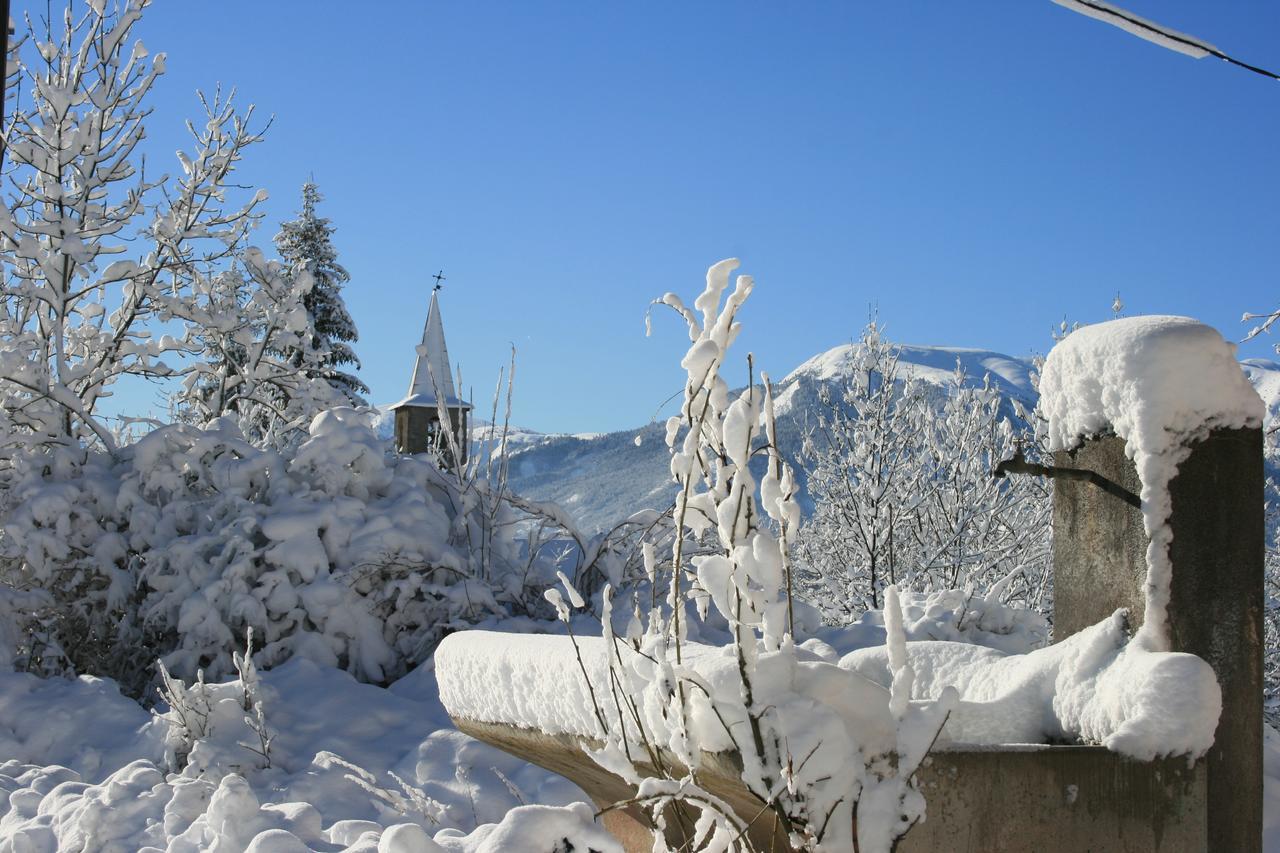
974 170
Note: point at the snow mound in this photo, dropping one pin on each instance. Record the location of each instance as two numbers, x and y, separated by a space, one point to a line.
954 615
41 720
353 767
1092 686
1161 383
138 808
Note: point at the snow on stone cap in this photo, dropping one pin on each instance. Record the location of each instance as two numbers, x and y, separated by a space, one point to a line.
1154 380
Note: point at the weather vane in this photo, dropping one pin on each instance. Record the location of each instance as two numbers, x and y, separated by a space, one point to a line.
439 277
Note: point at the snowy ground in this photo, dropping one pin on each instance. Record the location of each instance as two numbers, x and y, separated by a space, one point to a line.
85 767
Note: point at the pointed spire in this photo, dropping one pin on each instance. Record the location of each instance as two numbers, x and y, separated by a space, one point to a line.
432 370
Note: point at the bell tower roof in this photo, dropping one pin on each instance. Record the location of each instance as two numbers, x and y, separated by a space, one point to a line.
432 372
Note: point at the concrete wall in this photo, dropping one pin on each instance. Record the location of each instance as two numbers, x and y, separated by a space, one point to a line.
1215 612
1053 799
1059 798
1071 798
1099 545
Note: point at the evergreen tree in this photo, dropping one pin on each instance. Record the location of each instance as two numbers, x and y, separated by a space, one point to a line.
255 355
304 245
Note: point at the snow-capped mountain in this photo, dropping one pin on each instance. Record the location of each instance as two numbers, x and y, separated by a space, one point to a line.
601 478
1012 376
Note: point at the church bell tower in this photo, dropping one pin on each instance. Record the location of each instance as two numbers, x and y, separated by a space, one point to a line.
418 416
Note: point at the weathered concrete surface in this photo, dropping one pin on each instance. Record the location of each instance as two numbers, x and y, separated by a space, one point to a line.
1053 799
1082 799
1099 544
1099 559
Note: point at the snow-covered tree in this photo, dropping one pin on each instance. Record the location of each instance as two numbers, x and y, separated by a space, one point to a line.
903 490
100 258
254 355
306 247
865 477
970 528
1271 582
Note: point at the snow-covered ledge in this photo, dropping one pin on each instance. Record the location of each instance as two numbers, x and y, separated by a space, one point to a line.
528 695
1093 688
1142 706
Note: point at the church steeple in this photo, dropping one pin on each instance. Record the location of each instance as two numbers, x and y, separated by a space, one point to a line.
432 371
418 415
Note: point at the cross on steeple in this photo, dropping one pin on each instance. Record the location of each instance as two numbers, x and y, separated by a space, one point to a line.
439 277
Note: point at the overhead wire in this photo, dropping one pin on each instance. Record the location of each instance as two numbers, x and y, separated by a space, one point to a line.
1106 10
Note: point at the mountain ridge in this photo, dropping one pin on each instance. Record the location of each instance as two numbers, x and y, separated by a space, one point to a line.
601 478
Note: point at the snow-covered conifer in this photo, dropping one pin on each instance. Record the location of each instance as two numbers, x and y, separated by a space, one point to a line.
306 247
254 355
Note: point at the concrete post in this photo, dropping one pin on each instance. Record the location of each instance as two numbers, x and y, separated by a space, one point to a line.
1099 562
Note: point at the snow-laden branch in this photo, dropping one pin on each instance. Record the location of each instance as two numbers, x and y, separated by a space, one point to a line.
101 259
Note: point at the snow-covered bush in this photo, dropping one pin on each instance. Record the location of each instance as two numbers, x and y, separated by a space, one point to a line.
174 546
814 769
216 729
901 479
961 616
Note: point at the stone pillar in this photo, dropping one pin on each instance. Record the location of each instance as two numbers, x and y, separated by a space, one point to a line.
1215 612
